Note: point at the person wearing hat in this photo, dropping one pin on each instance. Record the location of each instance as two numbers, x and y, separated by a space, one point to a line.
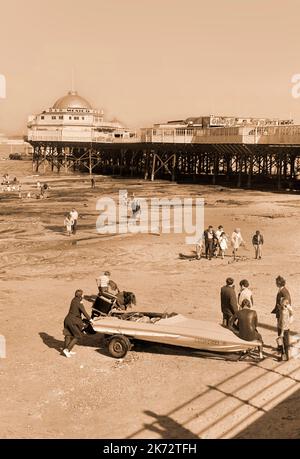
229 305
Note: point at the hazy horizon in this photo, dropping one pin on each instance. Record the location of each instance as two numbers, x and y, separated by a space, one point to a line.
150 61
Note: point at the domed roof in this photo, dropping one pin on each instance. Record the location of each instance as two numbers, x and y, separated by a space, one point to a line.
72 100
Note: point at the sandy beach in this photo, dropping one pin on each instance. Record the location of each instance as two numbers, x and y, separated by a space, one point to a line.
154 392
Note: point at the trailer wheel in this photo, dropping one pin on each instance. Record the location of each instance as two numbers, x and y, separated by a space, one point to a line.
118 346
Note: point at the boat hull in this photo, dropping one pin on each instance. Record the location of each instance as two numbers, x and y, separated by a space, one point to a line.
177 331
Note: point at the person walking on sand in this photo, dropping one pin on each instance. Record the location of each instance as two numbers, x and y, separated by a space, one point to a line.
135 207
74 216
257 242
73 324
223 244
228 301
218 233
210 238
93 183
69 224
236 241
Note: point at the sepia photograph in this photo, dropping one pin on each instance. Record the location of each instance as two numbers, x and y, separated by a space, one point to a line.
149 222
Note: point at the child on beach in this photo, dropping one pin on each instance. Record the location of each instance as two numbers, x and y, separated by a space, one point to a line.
69 222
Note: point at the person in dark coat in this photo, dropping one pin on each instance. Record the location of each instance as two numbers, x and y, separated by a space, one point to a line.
73 324
246 325
282 293
210 239
228 301
257 242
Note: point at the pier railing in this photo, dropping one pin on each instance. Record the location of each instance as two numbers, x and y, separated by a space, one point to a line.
289 135
279 135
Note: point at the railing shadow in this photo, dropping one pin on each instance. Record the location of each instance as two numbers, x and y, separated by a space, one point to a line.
281 422
256 408
166 427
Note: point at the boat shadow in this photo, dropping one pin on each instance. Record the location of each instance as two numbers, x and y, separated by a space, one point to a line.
143 347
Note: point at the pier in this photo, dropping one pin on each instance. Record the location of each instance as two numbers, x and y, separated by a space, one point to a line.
240 156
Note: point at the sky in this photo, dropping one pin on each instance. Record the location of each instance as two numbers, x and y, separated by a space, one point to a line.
146 61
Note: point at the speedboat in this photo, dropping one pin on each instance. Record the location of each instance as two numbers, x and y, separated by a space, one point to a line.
122 328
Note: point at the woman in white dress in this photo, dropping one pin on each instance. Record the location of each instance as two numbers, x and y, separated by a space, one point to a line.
223 243
236 241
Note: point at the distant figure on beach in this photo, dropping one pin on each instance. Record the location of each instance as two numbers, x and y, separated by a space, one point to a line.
236 241
257 242
135 207
44 190
200 244
223 244
74 216
245 293
5 179
229 305
69 224
93 183
244 322
210 238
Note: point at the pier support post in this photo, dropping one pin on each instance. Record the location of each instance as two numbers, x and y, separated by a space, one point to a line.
153 167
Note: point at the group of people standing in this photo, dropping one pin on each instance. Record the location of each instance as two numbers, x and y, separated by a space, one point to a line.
71 221
215 243
241 318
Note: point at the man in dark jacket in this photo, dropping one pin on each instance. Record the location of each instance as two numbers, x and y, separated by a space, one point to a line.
228 301
210 239
73 324
257 242
282 293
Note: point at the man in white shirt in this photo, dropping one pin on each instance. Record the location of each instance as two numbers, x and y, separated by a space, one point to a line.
103 282
74 215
